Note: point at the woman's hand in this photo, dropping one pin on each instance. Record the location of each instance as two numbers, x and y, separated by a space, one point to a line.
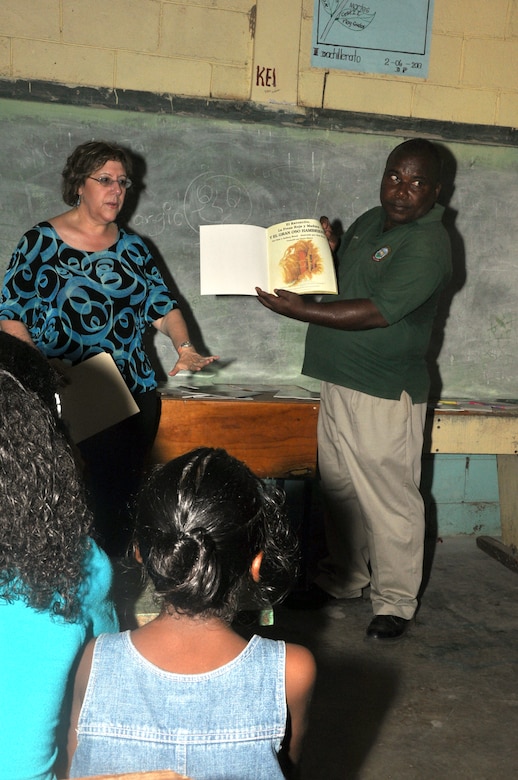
173 325
190 360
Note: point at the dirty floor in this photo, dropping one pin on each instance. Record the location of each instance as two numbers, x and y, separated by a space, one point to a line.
440 703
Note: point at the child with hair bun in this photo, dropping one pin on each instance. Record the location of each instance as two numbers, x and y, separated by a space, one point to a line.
185 691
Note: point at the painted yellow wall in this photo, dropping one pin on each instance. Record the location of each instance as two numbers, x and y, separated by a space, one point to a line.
235 50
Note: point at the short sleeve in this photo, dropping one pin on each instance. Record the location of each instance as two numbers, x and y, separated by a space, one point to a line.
97 603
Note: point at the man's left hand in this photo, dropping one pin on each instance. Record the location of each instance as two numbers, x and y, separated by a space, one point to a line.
283 302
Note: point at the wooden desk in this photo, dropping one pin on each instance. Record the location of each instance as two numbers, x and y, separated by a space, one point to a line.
274 437
490 433
473 433
278 438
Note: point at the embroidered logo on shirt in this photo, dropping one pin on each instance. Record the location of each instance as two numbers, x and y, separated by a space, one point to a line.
381 253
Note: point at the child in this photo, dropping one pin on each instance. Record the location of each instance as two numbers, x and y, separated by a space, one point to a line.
185 691
54 580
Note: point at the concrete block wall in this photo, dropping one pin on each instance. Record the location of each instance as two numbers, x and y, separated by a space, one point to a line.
472 76
240 51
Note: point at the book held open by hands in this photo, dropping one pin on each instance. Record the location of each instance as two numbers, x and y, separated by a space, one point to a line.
294 255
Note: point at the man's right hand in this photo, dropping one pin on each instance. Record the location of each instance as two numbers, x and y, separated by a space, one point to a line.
330 234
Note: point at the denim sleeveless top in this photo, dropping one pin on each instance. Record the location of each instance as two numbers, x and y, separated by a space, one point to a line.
227 724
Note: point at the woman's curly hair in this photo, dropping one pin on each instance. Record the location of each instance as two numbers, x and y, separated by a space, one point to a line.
43 515
201 519
31 369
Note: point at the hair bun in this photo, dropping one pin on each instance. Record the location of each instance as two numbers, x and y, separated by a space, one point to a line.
198 538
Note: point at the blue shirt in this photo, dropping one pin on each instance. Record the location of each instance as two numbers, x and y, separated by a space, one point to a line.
76 304
37 653
227 724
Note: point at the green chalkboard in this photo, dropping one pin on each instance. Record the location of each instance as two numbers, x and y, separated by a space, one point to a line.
198 170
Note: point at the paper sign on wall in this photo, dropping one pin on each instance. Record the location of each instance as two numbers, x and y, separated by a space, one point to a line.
374 36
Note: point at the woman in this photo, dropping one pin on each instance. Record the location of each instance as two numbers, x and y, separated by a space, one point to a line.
54 580
78 285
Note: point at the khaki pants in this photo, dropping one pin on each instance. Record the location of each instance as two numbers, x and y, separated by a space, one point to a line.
369 454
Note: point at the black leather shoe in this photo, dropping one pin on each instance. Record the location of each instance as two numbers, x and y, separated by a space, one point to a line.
389 627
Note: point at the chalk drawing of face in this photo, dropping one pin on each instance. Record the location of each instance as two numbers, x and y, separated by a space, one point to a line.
215 199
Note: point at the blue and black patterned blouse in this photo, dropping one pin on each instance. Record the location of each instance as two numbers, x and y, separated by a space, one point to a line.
76 304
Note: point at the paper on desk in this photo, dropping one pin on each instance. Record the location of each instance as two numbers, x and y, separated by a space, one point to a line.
241 391
216 391
296 392
96 396
472 405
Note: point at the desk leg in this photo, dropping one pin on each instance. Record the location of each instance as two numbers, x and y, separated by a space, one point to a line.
307 530
505 551
304 527
507 466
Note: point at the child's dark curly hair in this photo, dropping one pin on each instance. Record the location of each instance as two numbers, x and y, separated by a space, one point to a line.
30 368
201 519
43 515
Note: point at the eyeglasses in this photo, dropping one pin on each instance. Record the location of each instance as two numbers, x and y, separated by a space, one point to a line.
107 181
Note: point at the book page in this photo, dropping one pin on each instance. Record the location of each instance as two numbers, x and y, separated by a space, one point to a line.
233 259
300 258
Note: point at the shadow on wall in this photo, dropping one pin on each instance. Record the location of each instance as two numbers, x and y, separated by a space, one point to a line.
129 209
458 271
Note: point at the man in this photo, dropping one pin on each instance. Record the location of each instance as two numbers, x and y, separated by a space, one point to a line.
368 345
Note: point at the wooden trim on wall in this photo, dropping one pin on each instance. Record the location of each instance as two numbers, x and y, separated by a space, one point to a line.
338 121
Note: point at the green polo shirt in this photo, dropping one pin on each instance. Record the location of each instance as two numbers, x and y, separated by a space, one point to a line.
403 271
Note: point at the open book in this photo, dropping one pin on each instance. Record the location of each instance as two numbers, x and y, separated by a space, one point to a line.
295 255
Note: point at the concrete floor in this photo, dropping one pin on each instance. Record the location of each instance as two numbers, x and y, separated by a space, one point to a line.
440 703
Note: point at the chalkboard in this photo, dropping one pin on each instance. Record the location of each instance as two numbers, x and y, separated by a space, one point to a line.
194 170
